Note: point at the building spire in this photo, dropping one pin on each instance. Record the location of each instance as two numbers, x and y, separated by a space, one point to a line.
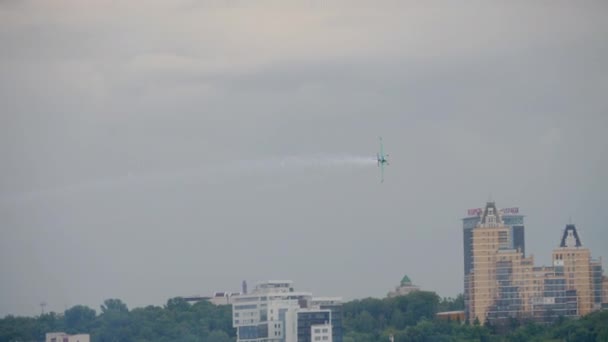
570 237
490 215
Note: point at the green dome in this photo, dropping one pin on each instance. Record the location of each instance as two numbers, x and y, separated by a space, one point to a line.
406 280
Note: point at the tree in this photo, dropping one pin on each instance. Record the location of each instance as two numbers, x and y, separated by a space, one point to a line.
408 318
365 322
177 304
397 319
78 319
218 336
47 322
114 324
452 304
113 305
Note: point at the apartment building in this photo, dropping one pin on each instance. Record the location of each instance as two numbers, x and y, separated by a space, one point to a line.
501 282
275 312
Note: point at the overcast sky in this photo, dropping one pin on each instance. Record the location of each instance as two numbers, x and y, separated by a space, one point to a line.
141 142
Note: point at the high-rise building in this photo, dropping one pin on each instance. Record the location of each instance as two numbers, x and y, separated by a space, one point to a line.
511 218
274 312
490 289
582 274
501 282
503 230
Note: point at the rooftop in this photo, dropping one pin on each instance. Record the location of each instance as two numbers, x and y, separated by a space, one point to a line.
406 280
570 237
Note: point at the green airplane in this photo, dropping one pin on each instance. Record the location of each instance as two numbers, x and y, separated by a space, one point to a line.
382 160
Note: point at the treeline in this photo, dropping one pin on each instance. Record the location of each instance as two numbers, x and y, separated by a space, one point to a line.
407 318
374 319
411 318
177 321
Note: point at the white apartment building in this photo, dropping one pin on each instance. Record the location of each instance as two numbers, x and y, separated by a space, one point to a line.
321 332
222 298
275 312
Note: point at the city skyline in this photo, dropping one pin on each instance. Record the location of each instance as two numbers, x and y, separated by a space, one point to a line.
515 212
142 143
501 282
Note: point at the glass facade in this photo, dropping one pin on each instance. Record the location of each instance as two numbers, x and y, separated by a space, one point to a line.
501 284
273 312
515 239
597 274
519 243
306 319
336 321
252 332
508 302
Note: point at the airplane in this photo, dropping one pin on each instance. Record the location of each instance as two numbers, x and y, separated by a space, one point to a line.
382 160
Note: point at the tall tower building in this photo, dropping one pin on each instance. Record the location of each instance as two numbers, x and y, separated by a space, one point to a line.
502 283
511 225
583 275
511 218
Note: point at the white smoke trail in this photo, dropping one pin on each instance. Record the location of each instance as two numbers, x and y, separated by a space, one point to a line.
308 161
206 173
327 161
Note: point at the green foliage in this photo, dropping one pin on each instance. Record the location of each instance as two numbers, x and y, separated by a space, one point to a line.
176 321
79 318
407 318
218 336
373 316
113 305
412 318
452 304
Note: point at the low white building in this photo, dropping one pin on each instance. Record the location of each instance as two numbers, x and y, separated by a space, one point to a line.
63 337
218 298
275 312
321 332
222 298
